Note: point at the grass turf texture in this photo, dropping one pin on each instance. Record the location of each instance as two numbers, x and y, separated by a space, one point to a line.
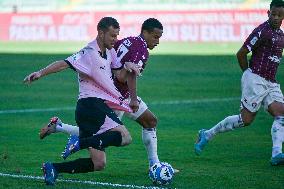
238 159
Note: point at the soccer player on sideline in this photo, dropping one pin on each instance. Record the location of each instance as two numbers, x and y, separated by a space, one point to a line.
129 49
259 86
99 126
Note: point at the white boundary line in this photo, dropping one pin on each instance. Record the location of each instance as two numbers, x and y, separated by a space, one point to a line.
35 110
175 102
72 108
78 181
205 100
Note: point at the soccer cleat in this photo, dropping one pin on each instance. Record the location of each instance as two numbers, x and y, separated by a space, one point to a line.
49 173
201 142
50 127
71 147
277 160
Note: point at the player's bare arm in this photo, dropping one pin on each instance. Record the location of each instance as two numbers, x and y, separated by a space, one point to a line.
121 75
132 67
52 68
131 82
242 58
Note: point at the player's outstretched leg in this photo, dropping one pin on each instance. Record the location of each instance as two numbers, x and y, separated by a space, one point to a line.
201 142
71 147
49 173
50 127
228 124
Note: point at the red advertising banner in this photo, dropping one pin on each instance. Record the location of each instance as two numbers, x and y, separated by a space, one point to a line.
196 26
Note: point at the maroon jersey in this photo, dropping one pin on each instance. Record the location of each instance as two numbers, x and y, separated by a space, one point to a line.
267 46
131 49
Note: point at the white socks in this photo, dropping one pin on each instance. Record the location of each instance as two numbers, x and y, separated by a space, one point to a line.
235 121
277 134
68 129
149 138
228 124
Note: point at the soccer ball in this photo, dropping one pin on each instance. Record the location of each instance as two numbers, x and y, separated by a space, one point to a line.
161 173
152 172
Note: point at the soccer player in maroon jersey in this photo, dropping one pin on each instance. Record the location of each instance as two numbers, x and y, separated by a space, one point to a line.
135 50
259 86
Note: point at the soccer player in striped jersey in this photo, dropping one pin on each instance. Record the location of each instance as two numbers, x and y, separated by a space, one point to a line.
259 86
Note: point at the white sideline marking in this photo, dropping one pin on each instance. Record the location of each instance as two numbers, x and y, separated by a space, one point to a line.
206 100
78 181
174 102
35 110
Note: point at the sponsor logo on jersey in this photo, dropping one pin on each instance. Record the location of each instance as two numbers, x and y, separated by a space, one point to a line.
274 59
127 42
140 63
254 104
253 41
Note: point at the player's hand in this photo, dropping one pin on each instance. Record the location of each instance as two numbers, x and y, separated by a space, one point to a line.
32 77
129 66
134 105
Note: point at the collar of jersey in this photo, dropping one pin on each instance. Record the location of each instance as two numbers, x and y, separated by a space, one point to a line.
142 39
94 44
278 30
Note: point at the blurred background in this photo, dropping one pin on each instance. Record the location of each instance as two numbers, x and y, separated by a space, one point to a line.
183 20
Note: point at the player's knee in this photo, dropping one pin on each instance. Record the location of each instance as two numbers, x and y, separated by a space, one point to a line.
99 165
154 122
247 121
129 139
279 113
247 117
126 137
151 122
126 140
276 109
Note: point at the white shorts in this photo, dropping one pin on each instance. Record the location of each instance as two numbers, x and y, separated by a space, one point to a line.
257 91
141 109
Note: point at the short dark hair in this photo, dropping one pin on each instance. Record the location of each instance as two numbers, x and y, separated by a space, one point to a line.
150 24
107 22
276 3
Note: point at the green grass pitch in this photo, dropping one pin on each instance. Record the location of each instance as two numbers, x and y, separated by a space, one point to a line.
188 87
